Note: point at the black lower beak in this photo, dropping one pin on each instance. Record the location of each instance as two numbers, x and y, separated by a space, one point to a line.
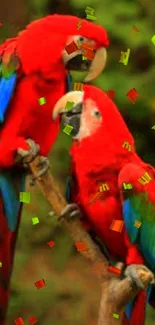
72 118
78 64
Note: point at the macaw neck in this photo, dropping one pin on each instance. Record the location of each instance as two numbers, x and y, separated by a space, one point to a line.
93 156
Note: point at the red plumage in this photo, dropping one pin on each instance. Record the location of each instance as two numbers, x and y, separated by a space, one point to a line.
41 73
100 156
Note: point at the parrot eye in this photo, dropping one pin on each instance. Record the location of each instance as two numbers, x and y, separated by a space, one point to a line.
96 113
82 39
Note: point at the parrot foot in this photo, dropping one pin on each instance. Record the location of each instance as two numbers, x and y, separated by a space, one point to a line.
133 273
70 211
43 165
28 155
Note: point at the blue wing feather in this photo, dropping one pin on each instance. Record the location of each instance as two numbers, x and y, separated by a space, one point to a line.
144 236
12 182
6 90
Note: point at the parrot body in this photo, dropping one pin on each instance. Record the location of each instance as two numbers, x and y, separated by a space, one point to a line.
99 157
38 70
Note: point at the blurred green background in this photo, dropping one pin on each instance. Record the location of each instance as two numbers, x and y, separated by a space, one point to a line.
72 292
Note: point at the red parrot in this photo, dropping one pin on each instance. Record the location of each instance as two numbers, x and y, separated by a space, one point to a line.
39 67
103 152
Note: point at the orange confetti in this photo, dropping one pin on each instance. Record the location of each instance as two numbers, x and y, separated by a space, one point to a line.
114 270
117 225
81 246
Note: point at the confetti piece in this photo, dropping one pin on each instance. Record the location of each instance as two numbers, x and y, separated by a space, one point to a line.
68 129
89 54
111 93
125 57
70 48
83 57
87 46
135 28
35 220
126 145
132 94
69 105
145 179
90 13
79 24
42 100
39 284
51 243
91 17
153 127
96 197
104 187
117 225
137 224
19 321
32 320
78 86
0 24
25 197
115 315
81 246
153 40
114 270
1 264
127 186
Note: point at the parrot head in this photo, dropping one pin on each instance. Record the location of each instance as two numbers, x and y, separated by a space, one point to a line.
99 130
41 46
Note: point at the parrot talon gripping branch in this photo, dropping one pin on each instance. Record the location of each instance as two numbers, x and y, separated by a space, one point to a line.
34 74
97 153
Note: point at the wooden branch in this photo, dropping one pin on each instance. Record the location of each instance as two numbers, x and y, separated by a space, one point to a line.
116 293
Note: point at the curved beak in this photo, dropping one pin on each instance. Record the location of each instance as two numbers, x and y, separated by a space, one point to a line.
94 67
72 96
73 116
98 64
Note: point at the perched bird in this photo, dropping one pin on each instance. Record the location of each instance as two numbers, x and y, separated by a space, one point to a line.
103 152
34 72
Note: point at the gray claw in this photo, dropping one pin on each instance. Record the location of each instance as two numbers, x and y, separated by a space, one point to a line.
29 155
132 274
44 164
70 211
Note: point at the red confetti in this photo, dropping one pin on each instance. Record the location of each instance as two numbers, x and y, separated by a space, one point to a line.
111 93
70 48
51 243
19 321
32 320
89 54
87 46
0 24
114 270
132 94
39 284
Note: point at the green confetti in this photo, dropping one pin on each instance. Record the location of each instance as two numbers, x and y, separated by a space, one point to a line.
0 264
35 220
25 197
69 105
42 100
115 315
68 129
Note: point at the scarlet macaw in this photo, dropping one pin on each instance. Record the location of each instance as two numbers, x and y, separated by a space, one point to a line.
39 67
98 154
